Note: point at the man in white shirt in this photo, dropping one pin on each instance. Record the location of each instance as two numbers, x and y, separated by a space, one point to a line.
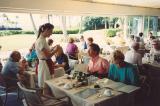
156 47
155 51
133 56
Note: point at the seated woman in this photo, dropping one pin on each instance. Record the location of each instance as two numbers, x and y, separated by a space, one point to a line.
72 49
31 56
62 60
122 71
97 66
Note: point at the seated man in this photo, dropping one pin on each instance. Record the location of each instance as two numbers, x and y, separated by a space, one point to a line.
62 60
133 56
89 41
122 71
1 66
155 51
156 47
97 65
12 68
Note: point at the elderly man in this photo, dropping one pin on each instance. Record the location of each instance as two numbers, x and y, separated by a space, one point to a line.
12 68
156 47
133 56
155 51
97 65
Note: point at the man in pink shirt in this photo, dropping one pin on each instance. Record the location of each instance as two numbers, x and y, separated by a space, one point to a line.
97 66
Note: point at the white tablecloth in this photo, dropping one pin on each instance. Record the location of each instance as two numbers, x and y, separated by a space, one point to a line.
94 100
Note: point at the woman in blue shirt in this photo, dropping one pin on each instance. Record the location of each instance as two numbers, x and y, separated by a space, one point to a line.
122 71
62 60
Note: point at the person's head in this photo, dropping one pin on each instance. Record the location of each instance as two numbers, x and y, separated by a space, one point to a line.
156 44
50 42
45 30
137 39
90 40
32 47
140 34
71 40
152 38
81 38
135 46
94 50
23 62
15 56
132 37
150 34
118 58
59 51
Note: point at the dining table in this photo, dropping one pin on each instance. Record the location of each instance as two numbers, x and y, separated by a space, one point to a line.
88 95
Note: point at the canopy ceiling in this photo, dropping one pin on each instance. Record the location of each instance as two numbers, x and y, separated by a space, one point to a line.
140 3
83 7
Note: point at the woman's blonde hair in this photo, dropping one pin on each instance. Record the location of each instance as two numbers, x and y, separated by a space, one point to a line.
71 40
118 55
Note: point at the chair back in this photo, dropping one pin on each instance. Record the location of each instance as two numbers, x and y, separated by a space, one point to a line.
81 67
58 72
31 96
72 63
2 81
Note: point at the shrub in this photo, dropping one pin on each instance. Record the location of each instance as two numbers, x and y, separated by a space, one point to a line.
28 32
57 32
73 31
112 32
10 32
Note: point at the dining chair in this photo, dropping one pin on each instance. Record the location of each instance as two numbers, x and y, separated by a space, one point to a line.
6 87
1 101
144 84
34 98
58 72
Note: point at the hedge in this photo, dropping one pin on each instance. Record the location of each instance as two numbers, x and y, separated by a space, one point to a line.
112 32
10 32
72 31
14 32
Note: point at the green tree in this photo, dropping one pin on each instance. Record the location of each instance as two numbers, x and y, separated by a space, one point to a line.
93 23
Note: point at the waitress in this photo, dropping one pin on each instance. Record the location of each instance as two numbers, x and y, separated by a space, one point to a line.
44 54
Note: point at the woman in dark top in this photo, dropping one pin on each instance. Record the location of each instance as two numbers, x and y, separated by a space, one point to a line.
62 60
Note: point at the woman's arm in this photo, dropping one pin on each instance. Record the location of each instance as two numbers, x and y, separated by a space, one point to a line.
50 53
61 65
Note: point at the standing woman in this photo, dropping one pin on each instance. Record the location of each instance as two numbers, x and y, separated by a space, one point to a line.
44 54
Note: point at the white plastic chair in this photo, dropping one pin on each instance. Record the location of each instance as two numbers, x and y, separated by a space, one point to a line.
58 72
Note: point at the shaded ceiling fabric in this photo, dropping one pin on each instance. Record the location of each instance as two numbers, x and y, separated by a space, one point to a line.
69 7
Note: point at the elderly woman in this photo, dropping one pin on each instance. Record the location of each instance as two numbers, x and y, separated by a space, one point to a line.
122 71
97 65
72 49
